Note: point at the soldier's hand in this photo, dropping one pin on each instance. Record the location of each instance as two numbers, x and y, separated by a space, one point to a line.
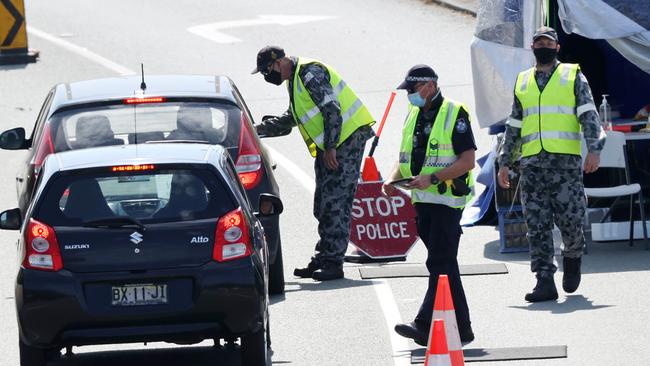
592 161
388 188
330 159
503 177
422 181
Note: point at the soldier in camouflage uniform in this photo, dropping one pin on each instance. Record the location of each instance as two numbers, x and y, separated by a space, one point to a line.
551 173
338 158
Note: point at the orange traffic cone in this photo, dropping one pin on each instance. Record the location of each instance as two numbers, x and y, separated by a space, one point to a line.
437 353
369 172
443 308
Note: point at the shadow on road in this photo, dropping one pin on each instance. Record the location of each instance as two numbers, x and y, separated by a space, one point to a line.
185 356
571 304
603 257
325 285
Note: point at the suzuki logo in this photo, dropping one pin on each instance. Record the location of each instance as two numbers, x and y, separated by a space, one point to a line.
136 238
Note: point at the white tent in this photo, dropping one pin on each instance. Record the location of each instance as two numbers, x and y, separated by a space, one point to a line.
501 45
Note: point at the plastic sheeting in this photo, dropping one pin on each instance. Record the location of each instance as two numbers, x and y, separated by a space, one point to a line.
588 17
500 50
494 72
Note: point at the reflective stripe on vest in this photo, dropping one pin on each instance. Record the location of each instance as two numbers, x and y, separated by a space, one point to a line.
439 154
309 118
549 118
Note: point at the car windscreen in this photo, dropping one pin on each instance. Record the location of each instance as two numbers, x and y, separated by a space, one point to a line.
133 197
120 124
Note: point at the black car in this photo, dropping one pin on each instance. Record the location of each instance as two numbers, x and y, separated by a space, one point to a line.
172 108
140 244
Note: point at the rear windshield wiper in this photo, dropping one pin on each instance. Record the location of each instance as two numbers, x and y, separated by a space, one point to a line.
115 222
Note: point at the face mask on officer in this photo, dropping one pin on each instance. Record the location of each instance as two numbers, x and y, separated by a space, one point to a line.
417 99
273 76
545 55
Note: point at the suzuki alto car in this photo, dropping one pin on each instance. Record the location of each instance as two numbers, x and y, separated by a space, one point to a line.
171 108
141 243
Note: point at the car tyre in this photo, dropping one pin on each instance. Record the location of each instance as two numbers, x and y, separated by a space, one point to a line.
31 356
276 272
255 350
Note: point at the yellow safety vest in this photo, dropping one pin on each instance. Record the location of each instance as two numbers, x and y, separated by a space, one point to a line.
309 118
549 119
439 155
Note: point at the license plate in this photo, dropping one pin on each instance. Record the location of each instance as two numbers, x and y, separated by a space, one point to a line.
139 294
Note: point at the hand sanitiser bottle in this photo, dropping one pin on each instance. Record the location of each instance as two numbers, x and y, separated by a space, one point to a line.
605 114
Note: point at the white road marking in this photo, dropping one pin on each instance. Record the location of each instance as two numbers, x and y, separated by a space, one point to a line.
301 177
213 31
81 51
400 348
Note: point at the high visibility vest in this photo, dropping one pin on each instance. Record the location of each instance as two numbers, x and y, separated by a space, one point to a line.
549 119
439 155
309 118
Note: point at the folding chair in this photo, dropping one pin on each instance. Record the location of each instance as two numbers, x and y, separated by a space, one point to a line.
614 156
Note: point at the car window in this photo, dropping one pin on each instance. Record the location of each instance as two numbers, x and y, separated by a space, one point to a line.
167 195
129 124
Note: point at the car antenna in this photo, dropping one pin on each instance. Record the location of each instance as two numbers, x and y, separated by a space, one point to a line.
143 85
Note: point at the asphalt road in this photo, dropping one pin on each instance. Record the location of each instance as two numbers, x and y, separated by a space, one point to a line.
372 44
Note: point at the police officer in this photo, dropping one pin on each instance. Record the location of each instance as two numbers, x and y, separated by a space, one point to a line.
437 147
552 110
335 125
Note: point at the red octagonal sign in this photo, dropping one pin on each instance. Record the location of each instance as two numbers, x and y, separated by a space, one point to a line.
382 226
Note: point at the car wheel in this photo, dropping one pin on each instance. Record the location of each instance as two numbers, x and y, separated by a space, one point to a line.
255 348
31 356
276 272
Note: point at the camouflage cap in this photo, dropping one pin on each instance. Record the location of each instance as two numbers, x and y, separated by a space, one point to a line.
547 32
266 56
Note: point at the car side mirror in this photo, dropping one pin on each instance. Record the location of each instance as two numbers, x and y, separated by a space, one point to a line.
13 139
10 219
269 205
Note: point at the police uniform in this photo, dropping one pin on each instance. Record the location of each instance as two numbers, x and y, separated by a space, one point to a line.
438 224
552 112
329 115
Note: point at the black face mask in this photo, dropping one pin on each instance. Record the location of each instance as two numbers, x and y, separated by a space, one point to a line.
274 77
545 55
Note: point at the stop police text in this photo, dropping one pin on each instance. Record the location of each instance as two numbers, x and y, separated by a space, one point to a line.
384 207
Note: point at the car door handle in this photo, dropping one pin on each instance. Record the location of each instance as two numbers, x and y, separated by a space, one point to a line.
20 179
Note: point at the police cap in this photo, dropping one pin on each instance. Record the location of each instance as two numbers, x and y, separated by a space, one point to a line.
416 74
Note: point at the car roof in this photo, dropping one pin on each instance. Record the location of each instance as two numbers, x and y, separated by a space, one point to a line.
156 153
116 88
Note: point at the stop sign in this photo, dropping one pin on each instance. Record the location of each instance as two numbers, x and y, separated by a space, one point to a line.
382 226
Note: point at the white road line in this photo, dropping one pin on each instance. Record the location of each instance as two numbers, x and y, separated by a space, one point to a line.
81 51
400 347
305 180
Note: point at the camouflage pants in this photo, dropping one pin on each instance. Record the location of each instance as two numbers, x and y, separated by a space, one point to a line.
553 196
335 190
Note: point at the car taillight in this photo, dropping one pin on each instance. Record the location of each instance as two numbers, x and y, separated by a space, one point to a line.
249 162
45 147
232 239
41 248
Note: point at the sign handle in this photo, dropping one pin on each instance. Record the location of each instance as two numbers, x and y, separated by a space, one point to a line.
375 141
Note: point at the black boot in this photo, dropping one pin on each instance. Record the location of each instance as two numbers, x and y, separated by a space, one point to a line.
329 271
308 271
571 277
466 334
411 330
544 290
